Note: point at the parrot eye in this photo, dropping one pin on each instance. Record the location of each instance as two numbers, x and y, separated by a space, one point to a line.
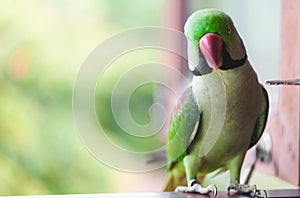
229 30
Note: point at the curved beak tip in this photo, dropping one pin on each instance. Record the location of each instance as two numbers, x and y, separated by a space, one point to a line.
211 46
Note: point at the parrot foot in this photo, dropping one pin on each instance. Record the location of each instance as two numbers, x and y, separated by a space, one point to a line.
246 189
195 187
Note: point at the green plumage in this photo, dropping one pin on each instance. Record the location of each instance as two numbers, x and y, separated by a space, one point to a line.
205 21
184 123
221 115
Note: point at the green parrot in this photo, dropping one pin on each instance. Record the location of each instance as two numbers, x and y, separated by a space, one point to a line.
221 114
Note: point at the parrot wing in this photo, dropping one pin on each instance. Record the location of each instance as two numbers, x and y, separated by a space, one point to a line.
183 127
261 121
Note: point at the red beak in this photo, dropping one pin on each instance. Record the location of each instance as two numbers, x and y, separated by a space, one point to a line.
211 46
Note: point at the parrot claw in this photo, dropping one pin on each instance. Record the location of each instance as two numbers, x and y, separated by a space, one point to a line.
242 188
246 189
261 193
197 188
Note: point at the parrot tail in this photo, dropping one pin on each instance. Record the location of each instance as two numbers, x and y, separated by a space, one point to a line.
177 178
174 181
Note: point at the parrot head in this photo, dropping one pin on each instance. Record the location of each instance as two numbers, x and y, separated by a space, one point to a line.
213 42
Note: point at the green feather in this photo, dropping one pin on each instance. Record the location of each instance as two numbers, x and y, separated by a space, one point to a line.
184 121
261 121
208 20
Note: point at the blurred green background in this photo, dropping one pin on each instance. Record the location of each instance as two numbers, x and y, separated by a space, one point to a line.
42 46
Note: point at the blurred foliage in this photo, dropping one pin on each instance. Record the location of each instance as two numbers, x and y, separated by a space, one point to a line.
42 45
140 100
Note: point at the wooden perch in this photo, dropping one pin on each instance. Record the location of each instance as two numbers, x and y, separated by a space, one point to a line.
284 82
270 193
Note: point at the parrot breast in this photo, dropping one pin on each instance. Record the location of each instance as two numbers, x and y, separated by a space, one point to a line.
230 102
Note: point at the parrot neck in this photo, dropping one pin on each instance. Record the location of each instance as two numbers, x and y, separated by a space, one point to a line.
228 63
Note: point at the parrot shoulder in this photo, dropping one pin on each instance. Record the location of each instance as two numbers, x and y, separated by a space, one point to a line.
183 127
